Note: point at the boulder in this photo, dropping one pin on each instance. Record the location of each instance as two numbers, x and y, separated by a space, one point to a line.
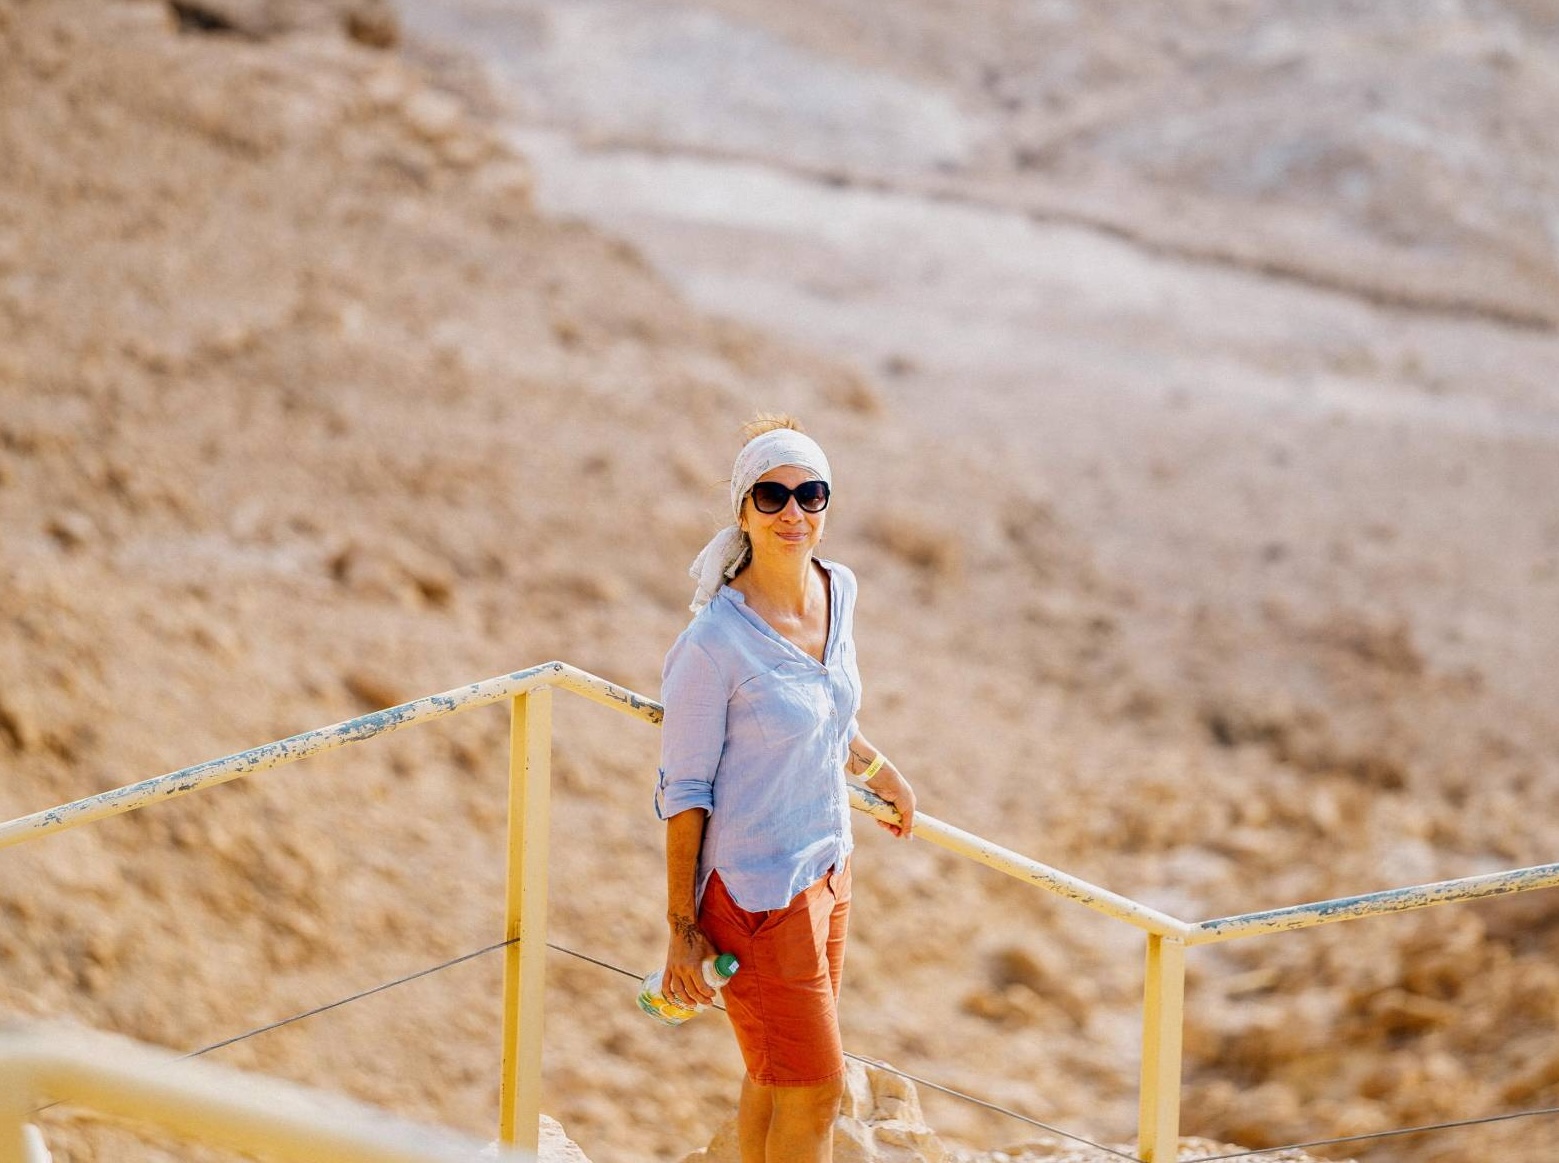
879 1122
554 1146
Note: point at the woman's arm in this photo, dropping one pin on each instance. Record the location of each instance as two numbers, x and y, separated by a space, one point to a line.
692 736
887 783
685 951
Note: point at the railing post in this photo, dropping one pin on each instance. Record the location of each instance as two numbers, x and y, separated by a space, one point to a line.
524 964
1163 1025
15 1099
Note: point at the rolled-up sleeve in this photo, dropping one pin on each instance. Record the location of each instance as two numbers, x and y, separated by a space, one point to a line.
692 732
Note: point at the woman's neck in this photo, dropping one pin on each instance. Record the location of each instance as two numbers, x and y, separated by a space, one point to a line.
778 585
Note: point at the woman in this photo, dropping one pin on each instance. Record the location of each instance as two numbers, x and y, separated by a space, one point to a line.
761 693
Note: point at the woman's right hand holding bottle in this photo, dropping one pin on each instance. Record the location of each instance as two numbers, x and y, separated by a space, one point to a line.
683 981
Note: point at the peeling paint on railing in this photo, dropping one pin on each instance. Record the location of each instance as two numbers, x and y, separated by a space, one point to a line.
1167 939
1397 900
290 750
1053 880
607 693
600 690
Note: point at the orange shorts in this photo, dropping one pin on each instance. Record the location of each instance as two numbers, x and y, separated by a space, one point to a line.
784 1000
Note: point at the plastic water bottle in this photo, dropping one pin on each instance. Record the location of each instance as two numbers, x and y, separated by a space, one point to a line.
717 971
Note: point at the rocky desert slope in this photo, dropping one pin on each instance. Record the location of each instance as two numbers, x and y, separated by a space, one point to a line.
306 408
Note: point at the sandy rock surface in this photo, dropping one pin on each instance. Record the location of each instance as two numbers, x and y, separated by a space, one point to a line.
1207 526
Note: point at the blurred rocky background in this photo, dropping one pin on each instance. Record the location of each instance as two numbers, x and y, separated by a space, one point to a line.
1190 378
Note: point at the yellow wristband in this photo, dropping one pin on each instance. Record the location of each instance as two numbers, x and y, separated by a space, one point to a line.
873 768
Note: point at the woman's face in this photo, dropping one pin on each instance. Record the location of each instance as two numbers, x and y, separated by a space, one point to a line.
791 531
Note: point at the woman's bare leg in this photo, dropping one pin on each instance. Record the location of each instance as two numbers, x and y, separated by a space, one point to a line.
753 1115
788 1124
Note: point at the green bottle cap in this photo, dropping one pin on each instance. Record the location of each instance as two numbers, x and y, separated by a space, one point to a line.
726 965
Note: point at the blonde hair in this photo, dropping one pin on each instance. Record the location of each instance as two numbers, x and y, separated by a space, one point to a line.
769 422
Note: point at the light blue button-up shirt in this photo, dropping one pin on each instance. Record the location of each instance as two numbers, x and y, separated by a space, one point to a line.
756 734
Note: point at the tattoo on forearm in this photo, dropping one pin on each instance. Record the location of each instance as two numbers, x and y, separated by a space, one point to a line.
685 928
861 757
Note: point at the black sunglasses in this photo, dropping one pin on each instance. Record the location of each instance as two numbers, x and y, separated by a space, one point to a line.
771 496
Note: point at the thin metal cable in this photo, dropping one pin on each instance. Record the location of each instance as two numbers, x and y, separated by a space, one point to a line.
969 1098
320 1009
343 1001
894 1070
596 961
1551 1110
991 1106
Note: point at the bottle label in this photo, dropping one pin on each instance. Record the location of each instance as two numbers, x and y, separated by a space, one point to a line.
657 1006
717 971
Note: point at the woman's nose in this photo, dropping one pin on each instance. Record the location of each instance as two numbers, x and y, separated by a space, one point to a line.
793 510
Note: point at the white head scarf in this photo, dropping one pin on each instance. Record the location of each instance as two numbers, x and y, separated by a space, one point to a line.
728 549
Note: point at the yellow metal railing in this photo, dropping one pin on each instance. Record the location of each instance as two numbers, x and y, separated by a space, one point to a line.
525 921
212 1104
